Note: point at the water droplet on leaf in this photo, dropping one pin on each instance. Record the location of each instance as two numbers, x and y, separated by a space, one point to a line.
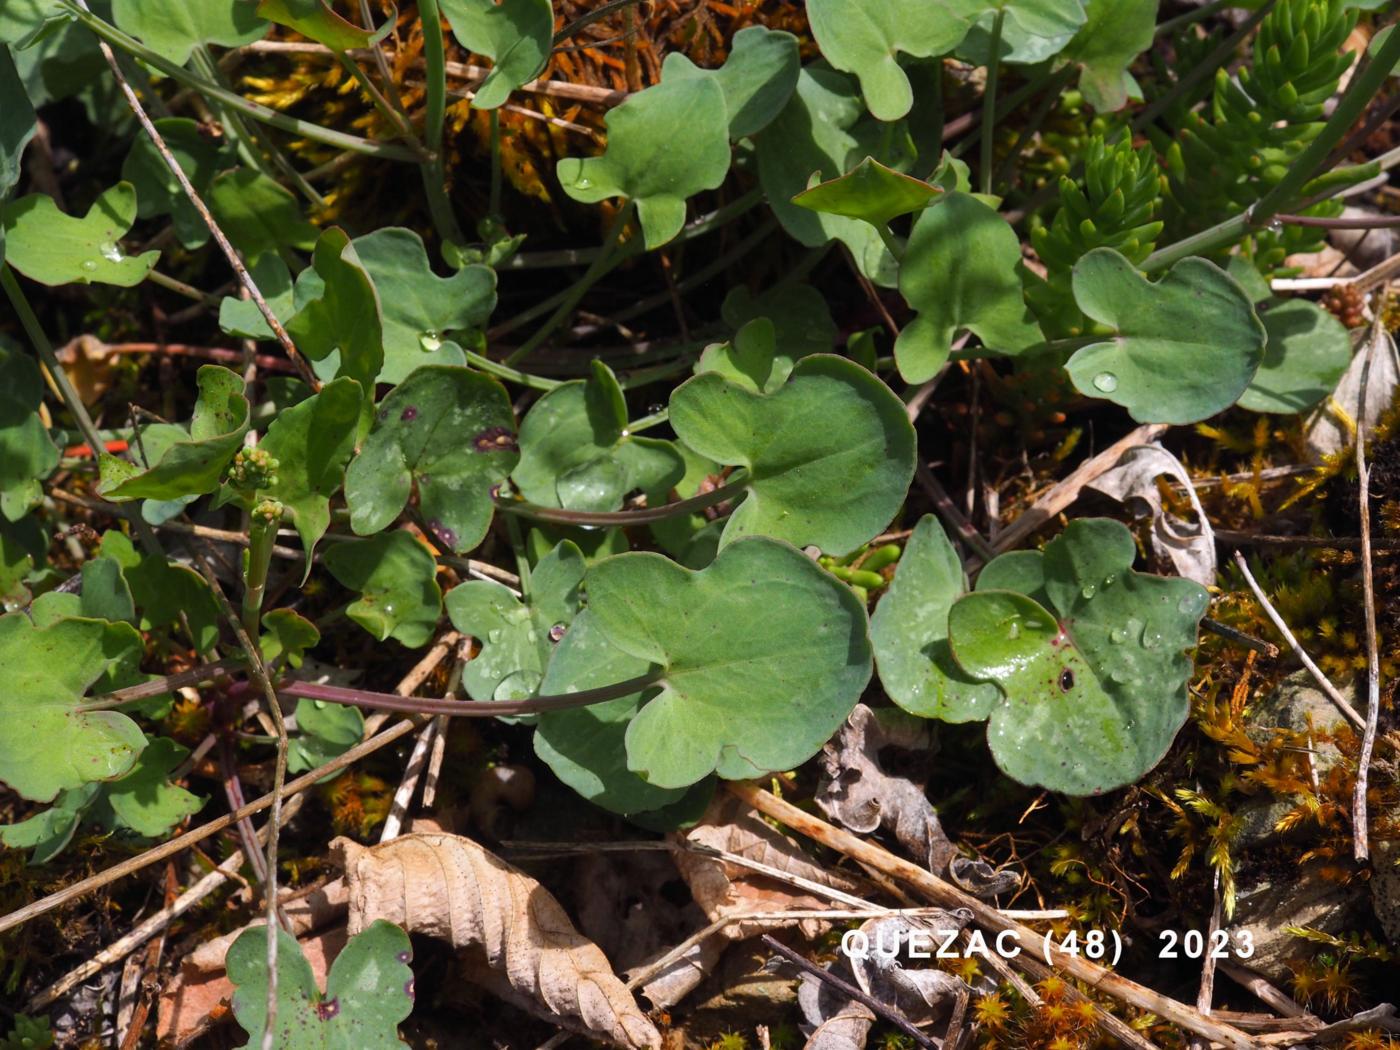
1106 382
430 342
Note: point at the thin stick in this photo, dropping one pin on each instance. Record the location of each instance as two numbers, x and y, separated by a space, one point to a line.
1269 649
1359 222
1262 990
154 924
850 991
1205 996
951 515
1338 701
1360 833
1031 943
218 234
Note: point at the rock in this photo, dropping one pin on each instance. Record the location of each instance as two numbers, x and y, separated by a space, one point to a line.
1298 704
740 995
1269 902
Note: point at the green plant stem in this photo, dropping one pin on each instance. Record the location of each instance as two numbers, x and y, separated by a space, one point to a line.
608 518
647 422
989 103
514 375
262 537
522 560
392 115
1002 108
577 290
293 125
892 244
435 98
586 20
1033 125
457 708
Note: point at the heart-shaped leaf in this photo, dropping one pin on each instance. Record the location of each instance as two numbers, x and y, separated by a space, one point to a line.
174 28
287 635
420 307
870 192
342 315
518 637
640 162
1183 349
52 248
452 431
315 19
516 35
179 463
1095 691
822 132
960 270
17 127
369 990
1115 33
324 731
1306 353
158 192
145 800
866 38
47 671
575 450
396 578
258 215
910 633
830 454
312 441
49 831
586 747
757 77
731 701
27 453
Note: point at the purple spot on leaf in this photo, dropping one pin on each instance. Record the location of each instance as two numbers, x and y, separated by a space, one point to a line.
409 414
442 532
403 957
328 1009
557 632
408 988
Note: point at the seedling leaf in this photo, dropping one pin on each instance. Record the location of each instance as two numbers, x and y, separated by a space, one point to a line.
1114 34
757 78
1095 691
516 35
48 670
174 28
315 19
53 248
1306 353
342 315
395 575
452 431
910 633
369 990
1183 349
830 454
640 162
870 192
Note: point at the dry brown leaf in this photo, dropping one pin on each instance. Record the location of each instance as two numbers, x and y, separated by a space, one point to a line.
1364 392
511 934
88 363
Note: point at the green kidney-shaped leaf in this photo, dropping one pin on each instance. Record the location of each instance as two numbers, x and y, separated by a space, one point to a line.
342 314
960 271
185 464
369 990
324 731
866 38
49 831
47 745
312 441
586 747
53 248
1095 691
1183 349
27 453
750 359
757 77
870 192
641 163
1307 351
824 130
516 35
17 126
174 28
1115 33
1032 30
802 323
420 307
830 454
145 800
315 19
910 633
396 578
575 450
165 594
518 637
732 700
452 431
